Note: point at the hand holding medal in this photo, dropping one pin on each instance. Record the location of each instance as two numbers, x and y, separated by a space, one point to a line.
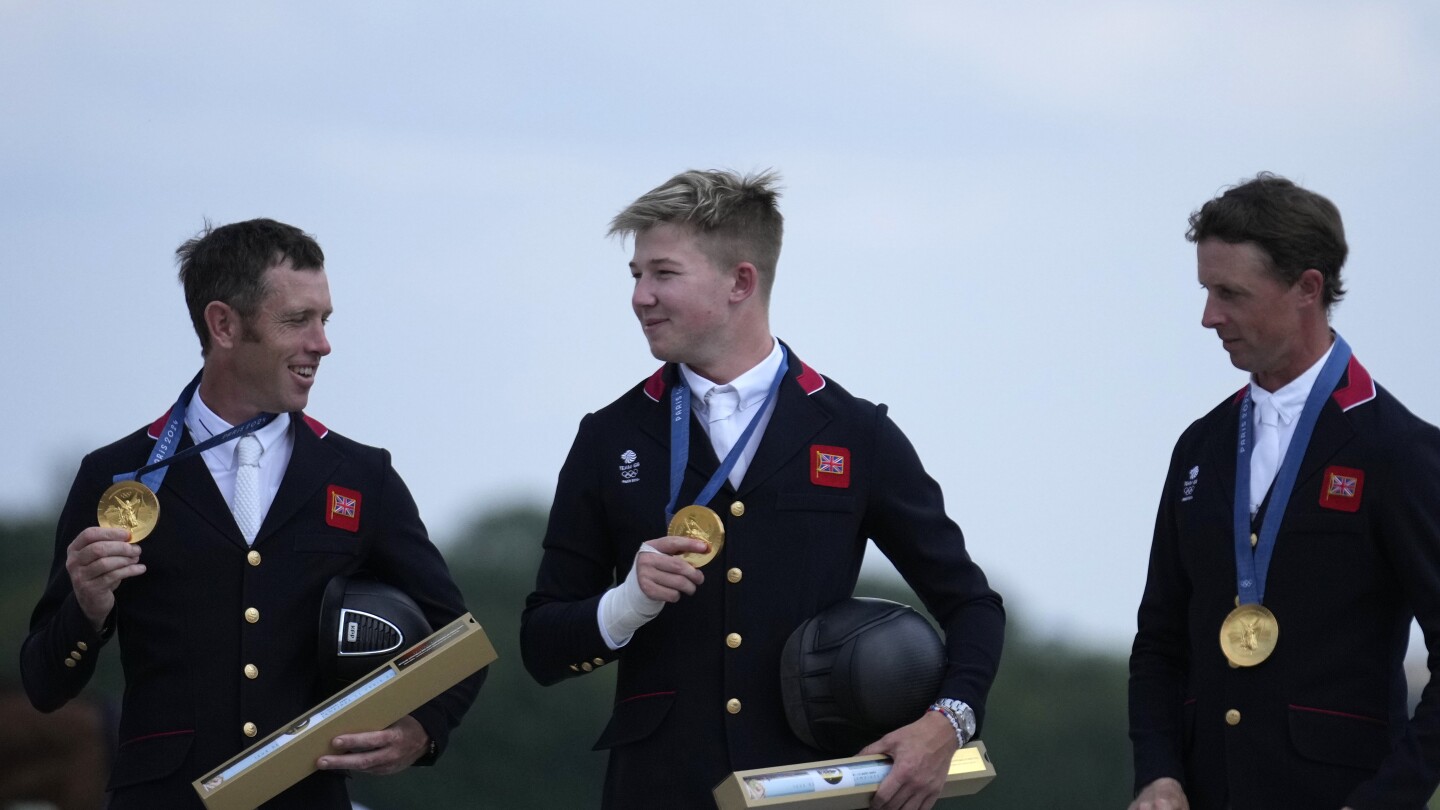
129 505
699 523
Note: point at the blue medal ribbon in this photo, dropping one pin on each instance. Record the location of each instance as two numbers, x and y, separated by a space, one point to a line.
153 473
680 438
1253 563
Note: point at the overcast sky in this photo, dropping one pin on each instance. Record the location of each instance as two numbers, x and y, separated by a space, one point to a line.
985 208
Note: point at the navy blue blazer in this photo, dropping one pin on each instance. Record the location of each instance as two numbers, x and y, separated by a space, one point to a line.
698 692
1323 722
182 628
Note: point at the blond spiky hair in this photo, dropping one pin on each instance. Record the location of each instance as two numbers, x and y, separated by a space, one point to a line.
735 216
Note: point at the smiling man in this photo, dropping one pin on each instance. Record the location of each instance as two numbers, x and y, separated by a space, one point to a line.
247 508
803 474
1298 535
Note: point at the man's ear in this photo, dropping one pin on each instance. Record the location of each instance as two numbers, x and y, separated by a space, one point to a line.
1311 286
747 282
224 324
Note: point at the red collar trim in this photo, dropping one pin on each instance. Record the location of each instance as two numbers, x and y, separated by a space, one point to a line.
158 425
655 386
318 429
314 424
1359 387
809 379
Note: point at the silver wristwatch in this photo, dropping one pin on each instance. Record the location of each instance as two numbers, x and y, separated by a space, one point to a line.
960 715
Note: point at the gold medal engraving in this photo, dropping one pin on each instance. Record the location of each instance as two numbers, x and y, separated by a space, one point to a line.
129 505
700 523
1248 635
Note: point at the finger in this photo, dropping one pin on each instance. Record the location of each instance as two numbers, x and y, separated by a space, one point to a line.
678 545
669 567
97 533
107 572
363 741
884 794
684 581
361 761
664 592
877 747
663 562
103 549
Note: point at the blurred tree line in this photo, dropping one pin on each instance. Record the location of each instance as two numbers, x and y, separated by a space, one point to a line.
1055 729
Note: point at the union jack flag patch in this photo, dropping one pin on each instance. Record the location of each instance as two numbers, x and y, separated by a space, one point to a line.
1340 488
343 510
830 466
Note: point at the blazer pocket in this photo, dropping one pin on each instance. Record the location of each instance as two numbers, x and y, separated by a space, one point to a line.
635 719
328 544
814 502
149 758
1339 738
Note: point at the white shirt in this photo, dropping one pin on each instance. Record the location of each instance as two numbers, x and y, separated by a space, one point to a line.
1289 403
276 447
752 386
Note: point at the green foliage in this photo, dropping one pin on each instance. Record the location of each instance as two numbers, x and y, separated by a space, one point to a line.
521 745
28 546
1055 724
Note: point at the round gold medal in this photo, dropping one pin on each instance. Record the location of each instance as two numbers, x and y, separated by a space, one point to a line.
700 523
1248 635
129 505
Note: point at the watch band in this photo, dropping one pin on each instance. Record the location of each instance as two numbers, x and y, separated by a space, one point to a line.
961 717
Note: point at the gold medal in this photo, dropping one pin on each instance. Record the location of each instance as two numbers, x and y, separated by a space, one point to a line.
129 505
1248 635
700 523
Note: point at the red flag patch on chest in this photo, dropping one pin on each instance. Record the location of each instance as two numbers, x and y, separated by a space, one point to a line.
342 508
1340 488
829 466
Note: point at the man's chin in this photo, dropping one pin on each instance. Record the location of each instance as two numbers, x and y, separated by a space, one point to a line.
661 352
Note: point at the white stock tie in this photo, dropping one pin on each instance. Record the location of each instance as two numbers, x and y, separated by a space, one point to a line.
247 486
721 403
1267 453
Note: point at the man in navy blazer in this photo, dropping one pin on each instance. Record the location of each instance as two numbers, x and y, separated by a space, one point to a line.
1306 705
809 474
216 611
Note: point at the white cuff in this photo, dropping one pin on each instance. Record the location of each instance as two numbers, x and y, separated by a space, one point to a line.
625 608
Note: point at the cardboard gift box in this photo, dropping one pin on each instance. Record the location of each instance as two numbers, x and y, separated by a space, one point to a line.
403 684
841 784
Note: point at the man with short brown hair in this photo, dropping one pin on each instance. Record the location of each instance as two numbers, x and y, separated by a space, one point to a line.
1297 536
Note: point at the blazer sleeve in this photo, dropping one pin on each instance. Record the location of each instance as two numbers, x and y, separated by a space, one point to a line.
560 627
405 557
906 518
1407 517
58 658
1160 657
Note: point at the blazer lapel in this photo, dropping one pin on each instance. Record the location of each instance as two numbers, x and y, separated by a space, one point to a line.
1332 432
701 459
1225 455
190 480
797 418
311 464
